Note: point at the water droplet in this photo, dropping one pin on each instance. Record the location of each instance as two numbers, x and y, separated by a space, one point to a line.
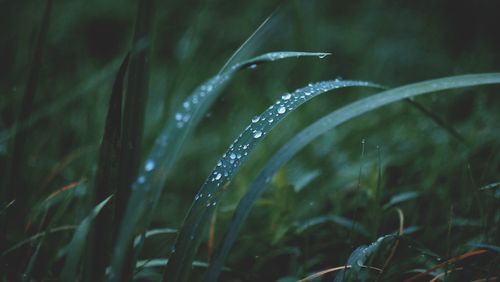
232 156
150 165
178 116
253 66
141 179
257 134
219 163
186 105
209 88
255 119
218 176
281 110
322 56
286 96
185 118
338 78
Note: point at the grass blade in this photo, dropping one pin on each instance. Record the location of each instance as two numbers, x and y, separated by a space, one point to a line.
107 178
338 220
133 123
204 203
321 126
148 186
76 247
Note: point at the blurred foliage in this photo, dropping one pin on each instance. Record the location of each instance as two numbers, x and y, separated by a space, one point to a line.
387 42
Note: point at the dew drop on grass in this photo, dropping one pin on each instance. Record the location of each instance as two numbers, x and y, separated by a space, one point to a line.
232 156
150 165
286 96
253 66
178 116
141 179
218 176
255 119
281 110
257 134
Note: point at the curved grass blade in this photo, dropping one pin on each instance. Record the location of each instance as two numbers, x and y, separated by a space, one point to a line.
148 186
321 126
76 247
204 202
153 232
338 220
400 198
360 257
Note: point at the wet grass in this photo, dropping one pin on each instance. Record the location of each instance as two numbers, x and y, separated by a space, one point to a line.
142 180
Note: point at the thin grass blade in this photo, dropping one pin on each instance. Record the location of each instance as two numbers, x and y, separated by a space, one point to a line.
107 179
321 126
206 199
77 244
338 220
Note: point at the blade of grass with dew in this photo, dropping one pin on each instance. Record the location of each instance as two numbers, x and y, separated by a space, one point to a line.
321 126
205 200
148 186
107 179
77 244
360 257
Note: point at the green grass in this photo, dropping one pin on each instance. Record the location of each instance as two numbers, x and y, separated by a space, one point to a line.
139 179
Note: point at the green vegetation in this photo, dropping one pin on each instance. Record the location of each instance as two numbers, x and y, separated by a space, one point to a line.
153 141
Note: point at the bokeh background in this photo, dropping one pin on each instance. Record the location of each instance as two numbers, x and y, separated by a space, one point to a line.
388 42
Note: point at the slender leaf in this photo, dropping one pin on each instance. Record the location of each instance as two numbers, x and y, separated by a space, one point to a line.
205 200
77 244
133 124
400 198
107 179
148 186
359 259
341 221
321 126
153 232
